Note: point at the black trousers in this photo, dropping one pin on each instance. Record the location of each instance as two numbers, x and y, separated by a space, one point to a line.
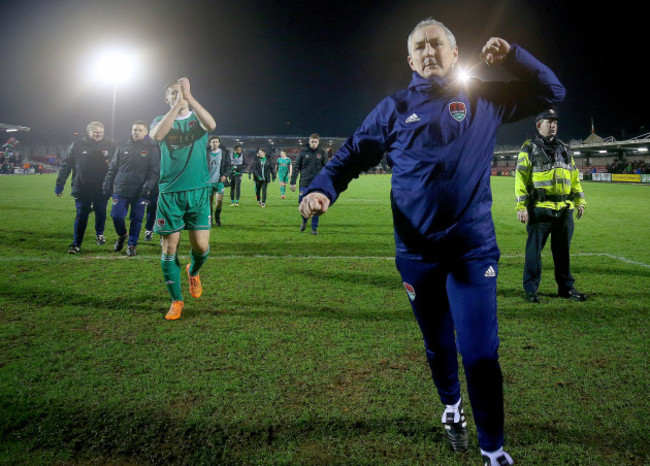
235 187
559 225
260 190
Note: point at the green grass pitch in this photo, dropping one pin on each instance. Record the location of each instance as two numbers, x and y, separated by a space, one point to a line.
303 349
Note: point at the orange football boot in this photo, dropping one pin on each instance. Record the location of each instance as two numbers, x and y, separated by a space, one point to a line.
195 283
175 310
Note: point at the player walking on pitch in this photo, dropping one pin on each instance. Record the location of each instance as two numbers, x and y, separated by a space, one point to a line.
284 169
184 199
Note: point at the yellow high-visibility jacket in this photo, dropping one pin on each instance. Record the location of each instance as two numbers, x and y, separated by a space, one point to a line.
546 176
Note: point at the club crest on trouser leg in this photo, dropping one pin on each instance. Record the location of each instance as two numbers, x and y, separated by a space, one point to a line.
410 291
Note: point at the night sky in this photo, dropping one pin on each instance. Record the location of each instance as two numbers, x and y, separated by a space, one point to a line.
293 68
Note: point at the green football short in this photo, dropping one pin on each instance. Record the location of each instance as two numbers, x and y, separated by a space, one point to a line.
183 210
217 188
283 177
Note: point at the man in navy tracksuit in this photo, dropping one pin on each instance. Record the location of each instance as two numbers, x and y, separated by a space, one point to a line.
440 135
132 175
87 159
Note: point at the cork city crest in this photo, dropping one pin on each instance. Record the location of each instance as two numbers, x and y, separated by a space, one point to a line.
410 291
458 110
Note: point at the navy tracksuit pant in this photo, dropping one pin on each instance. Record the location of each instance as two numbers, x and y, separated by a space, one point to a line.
118 213
455 306
315 218
84 206
559 225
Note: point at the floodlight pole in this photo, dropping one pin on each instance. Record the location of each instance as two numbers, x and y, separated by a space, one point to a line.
113 111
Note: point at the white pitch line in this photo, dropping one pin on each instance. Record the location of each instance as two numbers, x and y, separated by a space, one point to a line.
289 256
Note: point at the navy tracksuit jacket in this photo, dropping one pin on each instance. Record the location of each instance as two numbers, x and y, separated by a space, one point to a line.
440 137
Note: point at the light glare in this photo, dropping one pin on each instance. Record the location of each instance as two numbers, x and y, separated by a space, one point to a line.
114 66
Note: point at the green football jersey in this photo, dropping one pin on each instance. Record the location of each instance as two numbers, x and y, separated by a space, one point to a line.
183 165
283 165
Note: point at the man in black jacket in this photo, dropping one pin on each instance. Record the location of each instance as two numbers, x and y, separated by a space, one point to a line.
263 172
87 159
308 164
132 175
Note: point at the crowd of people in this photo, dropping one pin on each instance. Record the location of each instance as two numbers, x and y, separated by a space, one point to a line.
622 166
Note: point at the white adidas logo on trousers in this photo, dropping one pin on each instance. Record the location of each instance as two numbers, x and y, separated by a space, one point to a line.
490 272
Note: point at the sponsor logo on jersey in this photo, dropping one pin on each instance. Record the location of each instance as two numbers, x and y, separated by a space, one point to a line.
410 291
414 118
458 110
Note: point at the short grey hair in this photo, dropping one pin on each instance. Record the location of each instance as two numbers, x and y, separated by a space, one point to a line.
431 22
92 124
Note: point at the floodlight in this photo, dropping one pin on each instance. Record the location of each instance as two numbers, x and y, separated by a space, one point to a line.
114 66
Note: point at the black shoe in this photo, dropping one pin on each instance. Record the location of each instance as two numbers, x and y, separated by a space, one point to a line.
303 224
130 251
532 297
573 295
74 249
100 240
456 428
148 235
119 243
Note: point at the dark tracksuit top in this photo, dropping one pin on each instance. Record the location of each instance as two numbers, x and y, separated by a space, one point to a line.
440 140
88 161
308 164
135 165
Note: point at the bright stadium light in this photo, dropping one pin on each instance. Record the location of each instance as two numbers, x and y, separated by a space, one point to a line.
114 67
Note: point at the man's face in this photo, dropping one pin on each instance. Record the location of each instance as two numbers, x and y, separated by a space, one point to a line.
139 132
547 128
261 154
431 52
214 144
283 154
172 94
313 143
239 150
96 133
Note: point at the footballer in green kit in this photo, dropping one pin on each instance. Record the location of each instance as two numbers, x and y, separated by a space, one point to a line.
184 199
284 171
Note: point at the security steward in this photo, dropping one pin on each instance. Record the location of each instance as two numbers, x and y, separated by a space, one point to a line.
547 186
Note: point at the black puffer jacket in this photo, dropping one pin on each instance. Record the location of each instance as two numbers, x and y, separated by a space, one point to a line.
134 170
88 161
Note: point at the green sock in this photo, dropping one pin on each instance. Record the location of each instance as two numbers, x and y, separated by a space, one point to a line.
171 268
198 259
282 189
